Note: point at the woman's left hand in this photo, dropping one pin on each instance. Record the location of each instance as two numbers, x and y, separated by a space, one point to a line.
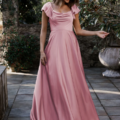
101 34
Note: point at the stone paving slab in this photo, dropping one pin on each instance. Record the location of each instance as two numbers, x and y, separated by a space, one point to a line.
104 118
24 91
10 103
22 104
102 85
26 86
14 81
30 78
24 97
115 80
99 80
29 81
18 118
108 96
11 97
118 88
97 103
12 91
115 117
117 85
13 78
13 86
110 102
101 111
94 97
93 72
20 112
104 91
113 110
95 76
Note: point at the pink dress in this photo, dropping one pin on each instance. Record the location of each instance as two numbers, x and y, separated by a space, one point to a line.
61 91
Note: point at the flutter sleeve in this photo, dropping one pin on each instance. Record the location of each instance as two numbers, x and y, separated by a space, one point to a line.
75 10
47 9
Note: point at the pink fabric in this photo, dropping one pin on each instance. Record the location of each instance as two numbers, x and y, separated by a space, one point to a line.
61 91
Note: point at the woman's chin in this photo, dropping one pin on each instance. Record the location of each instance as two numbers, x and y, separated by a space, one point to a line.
67 1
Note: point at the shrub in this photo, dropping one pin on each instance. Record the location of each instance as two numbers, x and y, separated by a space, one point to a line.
21 51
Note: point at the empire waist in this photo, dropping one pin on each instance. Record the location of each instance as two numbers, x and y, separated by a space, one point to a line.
61 29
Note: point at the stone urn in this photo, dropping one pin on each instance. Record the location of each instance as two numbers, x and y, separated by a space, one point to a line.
110 58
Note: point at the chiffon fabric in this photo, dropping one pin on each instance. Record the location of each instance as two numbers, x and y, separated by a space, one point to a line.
61 91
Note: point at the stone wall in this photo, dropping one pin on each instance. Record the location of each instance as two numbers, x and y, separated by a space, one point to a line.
3 91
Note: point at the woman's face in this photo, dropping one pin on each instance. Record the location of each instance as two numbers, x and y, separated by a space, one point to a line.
66 1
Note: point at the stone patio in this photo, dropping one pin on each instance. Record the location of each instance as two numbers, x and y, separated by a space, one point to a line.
105 93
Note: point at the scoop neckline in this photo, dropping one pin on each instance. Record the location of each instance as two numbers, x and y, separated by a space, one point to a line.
57 11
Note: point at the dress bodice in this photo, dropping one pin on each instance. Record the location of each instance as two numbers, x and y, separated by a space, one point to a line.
59 21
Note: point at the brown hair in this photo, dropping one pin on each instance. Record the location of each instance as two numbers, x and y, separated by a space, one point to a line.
70 4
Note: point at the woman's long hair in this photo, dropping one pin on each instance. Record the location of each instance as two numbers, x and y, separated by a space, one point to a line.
70 4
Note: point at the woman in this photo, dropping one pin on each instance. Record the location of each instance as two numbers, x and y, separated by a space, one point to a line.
61 91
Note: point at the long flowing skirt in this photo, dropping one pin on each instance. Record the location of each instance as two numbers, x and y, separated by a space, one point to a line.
61 91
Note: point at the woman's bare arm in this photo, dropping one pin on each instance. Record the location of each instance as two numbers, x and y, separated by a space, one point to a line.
43 37
43 31
79 31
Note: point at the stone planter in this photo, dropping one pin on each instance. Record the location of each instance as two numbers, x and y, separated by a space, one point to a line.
3 91
110 58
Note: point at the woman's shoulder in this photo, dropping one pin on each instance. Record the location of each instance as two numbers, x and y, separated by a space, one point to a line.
47 8
47 5
75 8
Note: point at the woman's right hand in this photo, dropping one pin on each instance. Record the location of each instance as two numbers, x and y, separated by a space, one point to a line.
43 58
